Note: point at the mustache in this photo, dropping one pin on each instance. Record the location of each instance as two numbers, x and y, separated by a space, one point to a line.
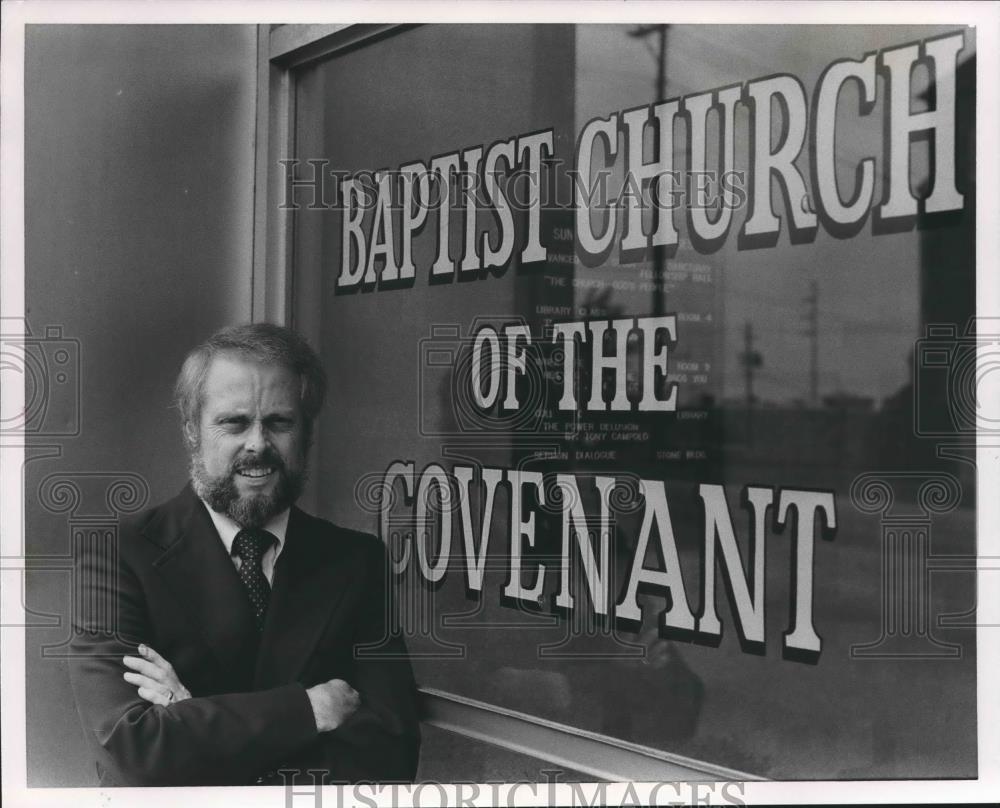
267 459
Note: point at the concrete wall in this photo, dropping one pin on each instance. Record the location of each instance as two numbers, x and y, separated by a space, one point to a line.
139 214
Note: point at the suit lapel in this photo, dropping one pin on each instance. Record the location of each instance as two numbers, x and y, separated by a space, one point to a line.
310 580
201 575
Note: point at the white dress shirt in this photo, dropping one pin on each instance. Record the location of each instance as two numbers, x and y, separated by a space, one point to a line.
227 530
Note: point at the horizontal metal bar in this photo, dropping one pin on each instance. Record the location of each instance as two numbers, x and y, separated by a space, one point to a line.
285 39
296 45
587 752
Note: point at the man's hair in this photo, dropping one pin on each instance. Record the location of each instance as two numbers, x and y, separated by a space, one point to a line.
259 342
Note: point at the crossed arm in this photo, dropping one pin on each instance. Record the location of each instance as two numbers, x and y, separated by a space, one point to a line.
150 731
332 702
209 740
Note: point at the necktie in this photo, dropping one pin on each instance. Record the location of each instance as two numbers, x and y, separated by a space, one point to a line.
250 546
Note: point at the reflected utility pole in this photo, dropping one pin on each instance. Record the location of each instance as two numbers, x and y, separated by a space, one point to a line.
752 360
812 331
659 255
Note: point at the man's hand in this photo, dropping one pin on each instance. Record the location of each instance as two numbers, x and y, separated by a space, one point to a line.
155 677
333 702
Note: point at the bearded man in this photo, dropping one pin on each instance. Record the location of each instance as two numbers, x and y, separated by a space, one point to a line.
230 638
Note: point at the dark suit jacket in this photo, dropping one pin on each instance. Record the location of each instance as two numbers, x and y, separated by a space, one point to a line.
171 585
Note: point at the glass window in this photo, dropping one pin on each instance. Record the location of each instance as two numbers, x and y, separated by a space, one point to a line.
790 310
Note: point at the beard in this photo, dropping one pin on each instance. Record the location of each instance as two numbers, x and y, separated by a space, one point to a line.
250 510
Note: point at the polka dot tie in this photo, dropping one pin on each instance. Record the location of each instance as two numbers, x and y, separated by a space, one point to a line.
250 546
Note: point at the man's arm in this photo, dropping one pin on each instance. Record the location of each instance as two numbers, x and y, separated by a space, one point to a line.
207 740
381 741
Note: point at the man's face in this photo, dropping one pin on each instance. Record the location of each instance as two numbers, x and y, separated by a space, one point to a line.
248 456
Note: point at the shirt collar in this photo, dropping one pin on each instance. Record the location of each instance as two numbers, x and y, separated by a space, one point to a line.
227 528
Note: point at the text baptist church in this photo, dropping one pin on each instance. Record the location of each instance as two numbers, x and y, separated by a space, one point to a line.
384 211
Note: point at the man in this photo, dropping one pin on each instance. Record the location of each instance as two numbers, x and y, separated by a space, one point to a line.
231 638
